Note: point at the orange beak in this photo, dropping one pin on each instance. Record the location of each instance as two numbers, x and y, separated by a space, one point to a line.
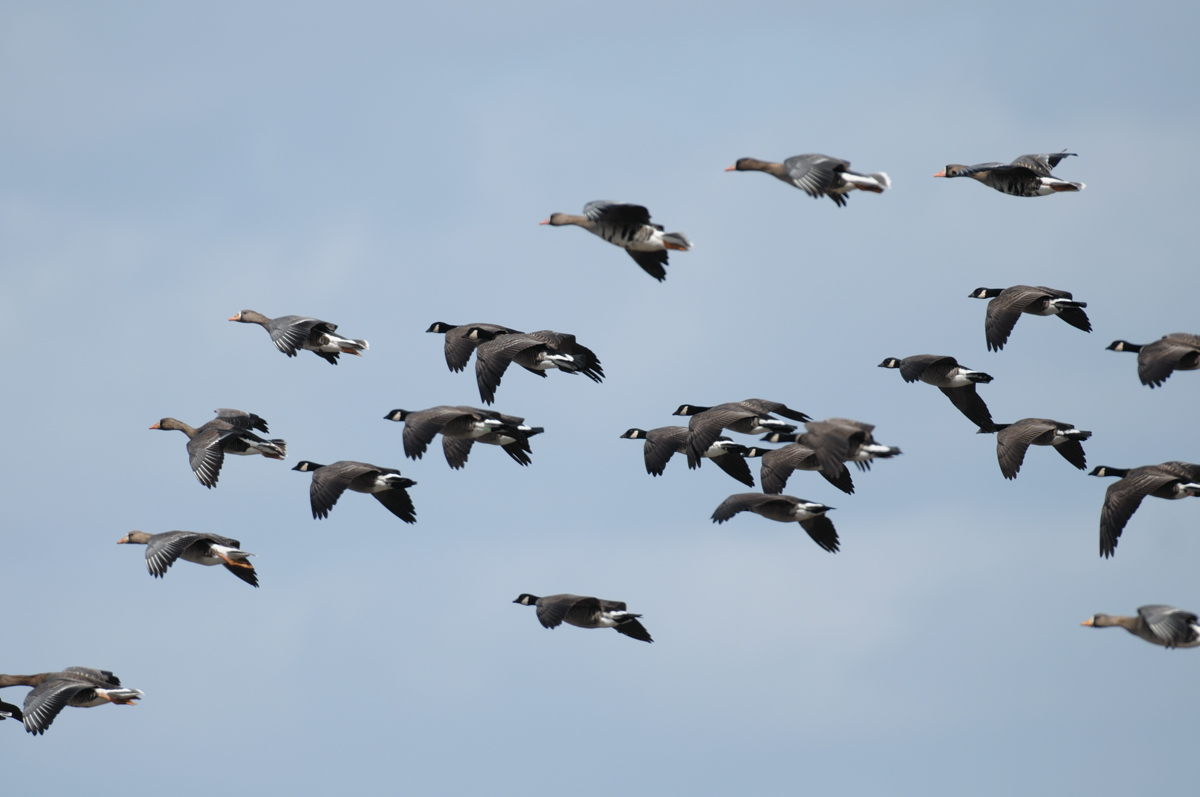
731 168
155 426
123 540
237 317
942 173
1087 622
547 221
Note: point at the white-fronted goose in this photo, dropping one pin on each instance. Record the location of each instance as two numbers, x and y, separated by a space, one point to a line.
535 352
459 346
956 381
751 416
1157 624
82 687
824 447
292 333
460 428
1028 175
228 433
1007 304
629 227
666 441
817 175
204 549
784 509
1012 439
585 612
1179 351
330 481
1170 480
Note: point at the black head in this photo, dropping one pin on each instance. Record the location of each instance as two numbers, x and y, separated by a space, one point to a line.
525 599
306 466
441 327
1105 470
689 409
985 293
890 362
1123 345
396 415
479 333
634 434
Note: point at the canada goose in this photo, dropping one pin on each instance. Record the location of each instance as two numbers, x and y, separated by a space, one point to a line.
956 381
460 347
818 175
228 433
585 612
1013 438
1170 480
1028 175
204 549
1007 304
629 227
666 441
460 428
81 687
536 352
1179 351
330 481
824 447
1157 624
785 509
751 416
291 333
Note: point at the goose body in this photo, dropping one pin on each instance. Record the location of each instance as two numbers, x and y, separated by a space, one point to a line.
1170 480
666 441
818 175
956 381
1012 440
1028 175
228 433
629 227
1157 624
1007 305
385 484
826 445
81 687
1179 351
203 549
784 509
751 416
294 333
461 427
460 345
536 352
585 612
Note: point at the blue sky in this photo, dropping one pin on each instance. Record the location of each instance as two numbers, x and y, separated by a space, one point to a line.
385 167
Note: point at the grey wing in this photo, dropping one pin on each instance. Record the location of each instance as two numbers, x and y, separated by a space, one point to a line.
1042 163
422 426
970 404
493 358
816 174
247 574
329 483
777 466
1076 317
1157 360
617 214
704 428
519 450
1184 470
44 702
1172 626
1122 499
821 529
831 444
291 332
1072 451
553 609
635 629
735 465
777 407
242 420
911 368
653 262
1013 440
457 449
399 503
661 444
742 502
459 347
164 549
1003 312
206 455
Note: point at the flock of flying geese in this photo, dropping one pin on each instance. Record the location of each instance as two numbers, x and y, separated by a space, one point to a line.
825 446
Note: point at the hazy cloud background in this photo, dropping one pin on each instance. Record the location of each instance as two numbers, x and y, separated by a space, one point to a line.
385 167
